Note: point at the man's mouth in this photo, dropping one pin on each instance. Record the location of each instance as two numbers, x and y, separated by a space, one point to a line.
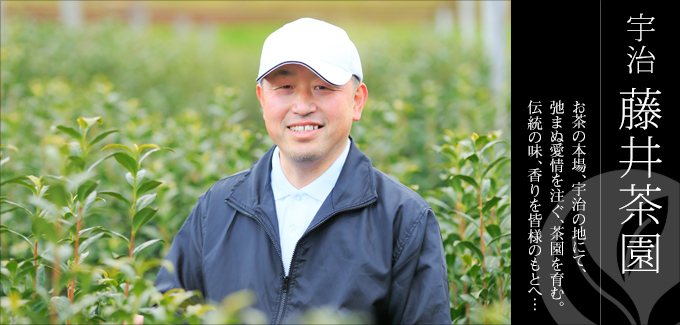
304 128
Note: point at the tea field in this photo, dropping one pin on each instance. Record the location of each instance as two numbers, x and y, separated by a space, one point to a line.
110 134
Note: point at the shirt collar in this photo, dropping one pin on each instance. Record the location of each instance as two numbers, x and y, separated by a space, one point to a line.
318 189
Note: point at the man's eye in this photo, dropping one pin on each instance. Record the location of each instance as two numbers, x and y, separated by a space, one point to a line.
321 87
287 87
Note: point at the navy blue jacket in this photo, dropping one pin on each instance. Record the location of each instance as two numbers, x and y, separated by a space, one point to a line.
373 246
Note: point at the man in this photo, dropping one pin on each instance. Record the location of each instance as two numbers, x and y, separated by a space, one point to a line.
312 223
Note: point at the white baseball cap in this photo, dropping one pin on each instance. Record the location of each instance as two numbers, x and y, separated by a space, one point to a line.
323 48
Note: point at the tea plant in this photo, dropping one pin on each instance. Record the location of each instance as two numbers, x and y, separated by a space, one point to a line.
77 291
475 198
140 211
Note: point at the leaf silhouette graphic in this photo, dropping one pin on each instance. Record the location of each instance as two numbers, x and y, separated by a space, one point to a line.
588 295
649 227
663 311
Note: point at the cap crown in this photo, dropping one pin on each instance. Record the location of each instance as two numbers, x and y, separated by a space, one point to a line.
323 48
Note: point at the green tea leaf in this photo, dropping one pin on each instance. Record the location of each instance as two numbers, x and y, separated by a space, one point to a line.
27 268
4 229
450 238
9 146
40 282
147 186
144 201
36 181
148 145
70 132
475 222
117 196
76 162
474 271
493 230
140 175
494 163
101 136
119 146
126 161
502 209
63 307
85 244
489 145
40 227
100 229
8 210
145 245
501 191
99 161
19 180
43 190
87 122
88 201
450 152
469 299
497 239
86 188
482 140
486 184
130 179
476 294
146 155
98 319
468 144
467 259
490 204
143 217
58 195
474 249
17 205
474 161
12 266
468 180
437 202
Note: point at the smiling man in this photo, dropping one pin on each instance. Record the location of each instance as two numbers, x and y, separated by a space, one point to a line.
312 223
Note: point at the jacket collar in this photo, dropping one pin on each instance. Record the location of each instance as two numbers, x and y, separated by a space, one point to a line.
318 188
355 186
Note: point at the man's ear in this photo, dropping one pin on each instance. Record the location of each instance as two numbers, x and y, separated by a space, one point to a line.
260 96
360 96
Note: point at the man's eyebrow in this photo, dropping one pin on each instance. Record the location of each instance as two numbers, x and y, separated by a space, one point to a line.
281 72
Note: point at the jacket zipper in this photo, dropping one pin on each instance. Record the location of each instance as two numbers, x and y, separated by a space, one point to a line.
286 279
282 305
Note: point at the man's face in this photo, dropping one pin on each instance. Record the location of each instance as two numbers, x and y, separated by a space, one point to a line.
295 100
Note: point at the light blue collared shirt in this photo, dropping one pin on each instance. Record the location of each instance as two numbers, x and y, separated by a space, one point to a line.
295 208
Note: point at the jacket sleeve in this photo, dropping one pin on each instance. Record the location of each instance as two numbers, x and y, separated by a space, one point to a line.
185 254
420 288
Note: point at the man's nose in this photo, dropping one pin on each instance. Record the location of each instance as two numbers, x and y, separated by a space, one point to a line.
304 103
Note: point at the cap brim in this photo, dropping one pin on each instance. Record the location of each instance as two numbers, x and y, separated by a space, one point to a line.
326 71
